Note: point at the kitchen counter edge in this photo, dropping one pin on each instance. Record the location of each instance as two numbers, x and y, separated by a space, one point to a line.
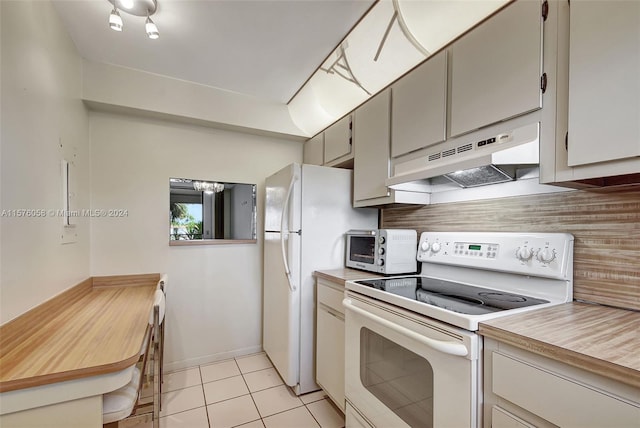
341 276
599 339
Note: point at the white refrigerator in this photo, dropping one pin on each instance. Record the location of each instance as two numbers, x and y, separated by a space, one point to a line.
308 209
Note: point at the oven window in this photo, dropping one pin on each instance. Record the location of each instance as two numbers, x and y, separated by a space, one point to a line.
362 249
401 379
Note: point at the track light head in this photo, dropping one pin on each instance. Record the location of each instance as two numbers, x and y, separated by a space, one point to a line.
115 21
151 29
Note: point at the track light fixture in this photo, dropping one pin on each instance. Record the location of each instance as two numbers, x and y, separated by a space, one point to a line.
137 8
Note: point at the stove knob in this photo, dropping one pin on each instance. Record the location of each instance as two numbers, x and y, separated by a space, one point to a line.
435 247
380 262
546 256
524 254
424 246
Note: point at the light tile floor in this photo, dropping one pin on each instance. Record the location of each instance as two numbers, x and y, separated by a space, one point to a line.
243 392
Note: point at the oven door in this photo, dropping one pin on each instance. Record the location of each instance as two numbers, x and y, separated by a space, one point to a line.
406 370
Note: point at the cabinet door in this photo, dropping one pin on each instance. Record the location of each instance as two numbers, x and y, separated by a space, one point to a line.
337 139
313 152
560 400
371 135
604 81
496 69
418 107
330 353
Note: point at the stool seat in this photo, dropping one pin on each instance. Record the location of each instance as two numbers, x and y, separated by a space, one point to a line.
119 404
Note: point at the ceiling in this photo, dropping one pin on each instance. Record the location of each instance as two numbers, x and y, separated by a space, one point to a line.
262 48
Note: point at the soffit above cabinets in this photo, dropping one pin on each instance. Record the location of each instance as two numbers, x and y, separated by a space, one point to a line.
392 38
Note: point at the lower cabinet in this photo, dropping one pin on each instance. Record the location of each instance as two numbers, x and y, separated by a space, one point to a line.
523 389
330 341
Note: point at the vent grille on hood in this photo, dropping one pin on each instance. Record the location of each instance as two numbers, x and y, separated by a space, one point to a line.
464 148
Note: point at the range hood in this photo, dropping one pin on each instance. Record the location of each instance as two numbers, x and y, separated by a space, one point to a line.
472 161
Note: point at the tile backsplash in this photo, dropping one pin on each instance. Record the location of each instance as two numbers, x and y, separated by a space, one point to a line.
606 227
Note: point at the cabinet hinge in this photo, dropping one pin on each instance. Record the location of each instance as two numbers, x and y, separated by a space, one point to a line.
350 132
543 82
566 141
545 10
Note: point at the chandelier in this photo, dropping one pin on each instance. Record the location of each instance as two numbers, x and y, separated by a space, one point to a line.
208 187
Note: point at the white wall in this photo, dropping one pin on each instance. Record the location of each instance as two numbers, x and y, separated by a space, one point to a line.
215 292
43 120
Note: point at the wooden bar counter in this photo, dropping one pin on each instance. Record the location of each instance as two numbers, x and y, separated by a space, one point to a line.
81 343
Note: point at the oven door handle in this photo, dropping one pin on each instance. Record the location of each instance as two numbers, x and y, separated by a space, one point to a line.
451 348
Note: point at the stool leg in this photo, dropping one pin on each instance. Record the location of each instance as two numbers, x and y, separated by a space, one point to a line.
161 352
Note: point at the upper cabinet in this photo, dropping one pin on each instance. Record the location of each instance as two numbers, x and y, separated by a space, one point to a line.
598 137
313 151
419 107
337 141
371 135
604 82
371 160
496 69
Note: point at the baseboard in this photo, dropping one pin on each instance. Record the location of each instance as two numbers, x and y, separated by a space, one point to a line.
208 359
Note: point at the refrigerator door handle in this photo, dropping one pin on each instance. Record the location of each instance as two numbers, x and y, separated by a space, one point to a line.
285 210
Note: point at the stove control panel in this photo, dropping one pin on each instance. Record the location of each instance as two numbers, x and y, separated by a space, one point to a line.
540 254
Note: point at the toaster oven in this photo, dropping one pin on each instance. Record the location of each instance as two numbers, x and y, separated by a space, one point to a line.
383 251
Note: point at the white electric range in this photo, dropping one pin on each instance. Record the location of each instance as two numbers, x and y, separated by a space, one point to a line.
412 355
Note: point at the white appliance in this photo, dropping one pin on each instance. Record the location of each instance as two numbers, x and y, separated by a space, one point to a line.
384 251
307 211
413 358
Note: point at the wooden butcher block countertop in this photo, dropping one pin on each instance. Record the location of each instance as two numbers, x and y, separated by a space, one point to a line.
596 338
94 328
